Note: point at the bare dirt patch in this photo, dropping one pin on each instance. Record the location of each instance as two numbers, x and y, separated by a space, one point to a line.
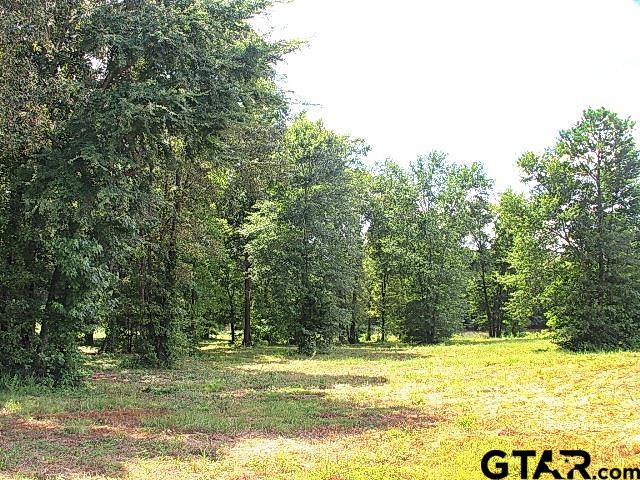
124 417
46 446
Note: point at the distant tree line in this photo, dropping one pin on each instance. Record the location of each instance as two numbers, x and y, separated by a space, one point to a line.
154 185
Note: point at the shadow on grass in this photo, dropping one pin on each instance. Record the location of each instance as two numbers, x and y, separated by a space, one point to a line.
220 350
375 352
218 399
193 413
53 447
215 350
485 340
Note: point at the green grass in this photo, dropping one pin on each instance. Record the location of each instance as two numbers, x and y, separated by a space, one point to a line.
365 412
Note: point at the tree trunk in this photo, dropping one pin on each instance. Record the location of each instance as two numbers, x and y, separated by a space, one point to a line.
130 335
248 285
490 320
600 217
162 332
46 317
108 342
232 323
383 306
353 333
232 309
193 326
368 336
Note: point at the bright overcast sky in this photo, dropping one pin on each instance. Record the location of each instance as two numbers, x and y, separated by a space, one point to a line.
480 80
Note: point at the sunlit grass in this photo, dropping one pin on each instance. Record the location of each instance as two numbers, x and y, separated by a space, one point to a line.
362 412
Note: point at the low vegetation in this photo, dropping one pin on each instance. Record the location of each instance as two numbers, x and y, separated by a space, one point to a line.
371 411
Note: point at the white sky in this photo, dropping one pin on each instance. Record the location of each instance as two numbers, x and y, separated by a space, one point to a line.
479 79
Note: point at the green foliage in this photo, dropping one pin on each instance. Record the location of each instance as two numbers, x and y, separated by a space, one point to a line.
152 185
304 240
112 113
419 223
436 258
583 231
390 199
525 272
496 291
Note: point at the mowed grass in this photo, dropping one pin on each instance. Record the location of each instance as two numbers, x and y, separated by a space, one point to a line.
374 412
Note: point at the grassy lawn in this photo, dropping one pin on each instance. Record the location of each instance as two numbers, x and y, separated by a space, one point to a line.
367 413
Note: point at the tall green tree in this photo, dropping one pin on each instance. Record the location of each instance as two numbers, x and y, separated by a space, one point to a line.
302 238
499 296
391 197
585 218
222 83
124 103
252 170
437 259
522 263
55 235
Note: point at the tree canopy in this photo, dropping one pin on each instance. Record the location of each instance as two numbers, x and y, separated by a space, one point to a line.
156 187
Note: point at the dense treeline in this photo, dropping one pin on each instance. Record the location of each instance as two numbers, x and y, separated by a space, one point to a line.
154 186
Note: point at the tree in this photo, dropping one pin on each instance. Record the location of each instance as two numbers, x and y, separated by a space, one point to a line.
521 272
124 103
501 299
57 192
390 199
437 259
585 214
483 286
252 170
302 237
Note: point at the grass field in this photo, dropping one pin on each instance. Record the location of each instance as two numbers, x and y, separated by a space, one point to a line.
366 412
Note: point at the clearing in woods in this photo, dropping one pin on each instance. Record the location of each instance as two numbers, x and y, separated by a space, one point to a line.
366 412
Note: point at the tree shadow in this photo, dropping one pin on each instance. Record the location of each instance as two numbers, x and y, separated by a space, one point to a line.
481 341
53 448
375 351
199 415
220 352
